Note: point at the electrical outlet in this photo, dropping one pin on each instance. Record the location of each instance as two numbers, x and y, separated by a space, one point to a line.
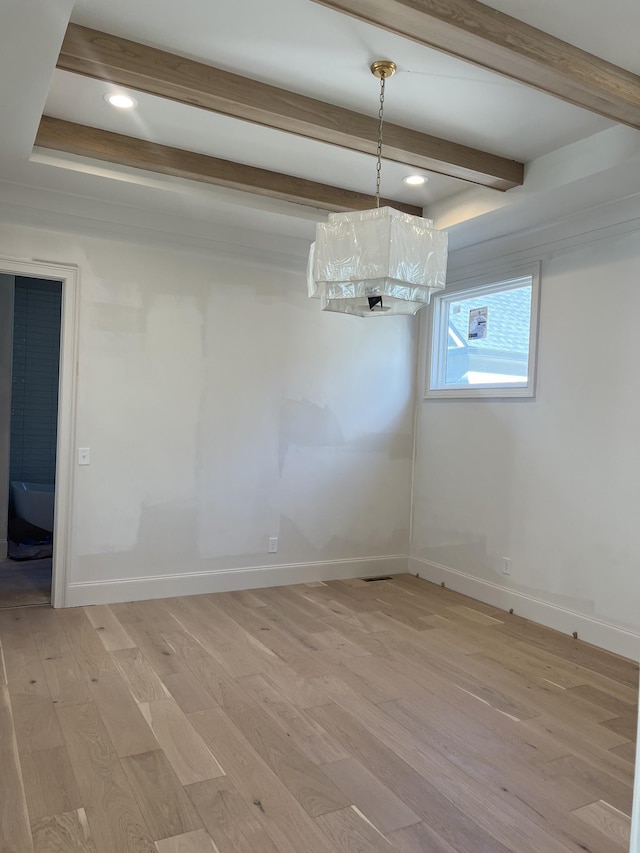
506 565
272 547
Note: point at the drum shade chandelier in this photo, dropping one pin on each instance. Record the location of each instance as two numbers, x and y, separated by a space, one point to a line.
378 262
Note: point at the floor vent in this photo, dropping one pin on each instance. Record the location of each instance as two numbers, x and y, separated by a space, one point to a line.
381 578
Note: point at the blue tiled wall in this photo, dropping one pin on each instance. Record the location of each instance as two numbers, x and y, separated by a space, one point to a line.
34 387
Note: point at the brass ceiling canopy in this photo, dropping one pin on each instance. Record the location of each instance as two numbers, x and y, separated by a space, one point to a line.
383 68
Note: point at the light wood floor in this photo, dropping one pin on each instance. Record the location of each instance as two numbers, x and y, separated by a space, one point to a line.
347 716
25 582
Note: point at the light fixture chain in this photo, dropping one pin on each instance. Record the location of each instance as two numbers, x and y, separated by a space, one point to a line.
379 151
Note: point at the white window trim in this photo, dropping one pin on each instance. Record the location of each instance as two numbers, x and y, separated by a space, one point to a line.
435 360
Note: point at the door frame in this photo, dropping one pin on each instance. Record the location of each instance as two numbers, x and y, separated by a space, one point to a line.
67 387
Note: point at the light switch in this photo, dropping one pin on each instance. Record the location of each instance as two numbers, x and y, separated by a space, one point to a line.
84 455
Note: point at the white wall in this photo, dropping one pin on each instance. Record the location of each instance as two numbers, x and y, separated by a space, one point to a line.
223 407
553 483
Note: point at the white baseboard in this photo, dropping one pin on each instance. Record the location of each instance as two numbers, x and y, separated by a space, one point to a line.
594 631
195 583
4 549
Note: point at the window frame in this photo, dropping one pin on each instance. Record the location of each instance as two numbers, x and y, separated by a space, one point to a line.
438 334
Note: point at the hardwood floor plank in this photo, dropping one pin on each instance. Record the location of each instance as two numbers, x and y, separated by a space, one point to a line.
547 697
518 788
307 735
282 610
315 718
93 658
522 660
143 682
486 684
443 816
36 724
149 639
490 809
164 804
624 725
128 611
443 636
189 693
3 668
581 674
368 682
476 710
609 821
229 818
305 608
604 699
349 830
248 598
236 650
591 658
187 753
22 665
207 671
626 751
418 839
286 822
586 744
191 842
114 817
335 647
63 833
376 802
474 615
293 688
338 611
265 627
49 783
437 595
15 833
597 784
405 613
109 629
68 683
315 792
127 727
14 623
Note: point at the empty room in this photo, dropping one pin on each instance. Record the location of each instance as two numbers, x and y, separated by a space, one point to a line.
274 580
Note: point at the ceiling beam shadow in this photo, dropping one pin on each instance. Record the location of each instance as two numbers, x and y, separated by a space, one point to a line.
83 141
483 36
147 69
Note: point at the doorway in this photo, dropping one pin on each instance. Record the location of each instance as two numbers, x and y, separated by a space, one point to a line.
38 332
31 350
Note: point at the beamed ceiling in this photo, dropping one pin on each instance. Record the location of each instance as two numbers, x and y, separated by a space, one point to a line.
266 113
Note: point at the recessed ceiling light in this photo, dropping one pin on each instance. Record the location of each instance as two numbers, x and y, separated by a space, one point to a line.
415 180
121 101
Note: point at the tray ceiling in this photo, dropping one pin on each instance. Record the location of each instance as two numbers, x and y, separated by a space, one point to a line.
315 52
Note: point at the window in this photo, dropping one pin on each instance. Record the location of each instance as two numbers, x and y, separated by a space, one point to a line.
483 338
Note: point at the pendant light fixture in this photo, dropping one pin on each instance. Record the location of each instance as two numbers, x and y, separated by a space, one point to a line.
377 262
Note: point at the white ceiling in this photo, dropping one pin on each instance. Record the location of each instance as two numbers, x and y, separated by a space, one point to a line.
305 47
81 99
300 45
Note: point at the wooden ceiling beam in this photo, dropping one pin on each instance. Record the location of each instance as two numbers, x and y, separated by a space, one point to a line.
483 36
83 141
147 69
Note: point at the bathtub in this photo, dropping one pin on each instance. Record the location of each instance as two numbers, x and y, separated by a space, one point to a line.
33 502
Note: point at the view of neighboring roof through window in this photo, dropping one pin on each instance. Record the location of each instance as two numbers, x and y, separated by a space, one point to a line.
483 339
